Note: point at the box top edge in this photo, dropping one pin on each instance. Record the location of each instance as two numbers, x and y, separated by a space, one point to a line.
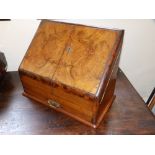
83 25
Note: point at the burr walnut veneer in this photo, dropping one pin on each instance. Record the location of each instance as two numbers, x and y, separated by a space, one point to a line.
72 68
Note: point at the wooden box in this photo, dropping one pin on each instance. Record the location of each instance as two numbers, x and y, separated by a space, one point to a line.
72 69
3 66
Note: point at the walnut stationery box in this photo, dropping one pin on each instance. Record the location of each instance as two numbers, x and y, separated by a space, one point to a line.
72 69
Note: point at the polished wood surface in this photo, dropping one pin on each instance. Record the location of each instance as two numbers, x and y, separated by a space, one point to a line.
72 66
20 115
82 67
69 102
70 54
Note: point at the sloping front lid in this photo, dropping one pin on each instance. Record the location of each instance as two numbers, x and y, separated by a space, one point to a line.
72 55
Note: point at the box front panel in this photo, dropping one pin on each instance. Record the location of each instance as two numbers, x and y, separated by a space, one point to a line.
68 102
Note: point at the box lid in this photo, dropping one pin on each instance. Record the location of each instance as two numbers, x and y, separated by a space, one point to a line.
73 56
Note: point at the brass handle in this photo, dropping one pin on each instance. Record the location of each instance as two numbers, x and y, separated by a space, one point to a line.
53 104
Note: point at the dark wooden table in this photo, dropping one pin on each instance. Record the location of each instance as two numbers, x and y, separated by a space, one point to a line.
20 115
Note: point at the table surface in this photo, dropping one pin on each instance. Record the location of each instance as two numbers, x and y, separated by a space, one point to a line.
20 115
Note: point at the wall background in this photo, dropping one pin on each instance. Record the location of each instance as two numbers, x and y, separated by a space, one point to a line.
138 53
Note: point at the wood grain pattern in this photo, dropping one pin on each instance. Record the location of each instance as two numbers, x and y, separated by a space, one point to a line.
74 60
69 102
69 54
46 49
19 115
82 67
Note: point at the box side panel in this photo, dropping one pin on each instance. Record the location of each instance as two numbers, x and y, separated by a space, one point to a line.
111 63
108 96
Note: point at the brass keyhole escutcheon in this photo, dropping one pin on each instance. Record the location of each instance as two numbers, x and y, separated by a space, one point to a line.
53 104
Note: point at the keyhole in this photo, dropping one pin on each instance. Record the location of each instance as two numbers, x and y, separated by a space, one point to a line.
69 49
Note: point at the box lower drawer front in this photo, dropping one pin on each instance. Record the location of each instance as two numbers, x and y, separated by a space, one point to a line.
70 103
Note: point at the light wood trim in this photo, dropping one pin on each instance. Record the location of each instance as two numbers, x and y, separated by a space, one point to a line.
152 103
